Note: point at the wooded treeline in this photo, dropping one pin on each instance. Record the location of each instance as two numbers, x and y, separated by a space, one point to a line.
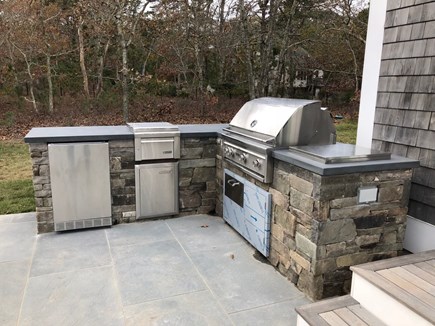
94 49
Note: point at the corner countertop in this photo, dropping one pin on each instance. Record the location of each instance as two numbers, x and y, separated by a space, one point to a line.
395 163
105 133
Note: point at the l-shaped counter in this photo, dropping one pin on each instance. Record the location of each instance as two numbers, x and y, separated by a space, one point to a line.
324 217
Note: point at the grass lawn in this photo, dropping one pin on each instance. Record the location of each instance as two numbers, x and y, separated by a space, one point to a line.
16 187
346 131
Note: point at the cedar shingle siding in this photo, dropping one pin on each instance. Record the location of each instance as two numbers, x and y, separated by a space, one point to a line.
405 108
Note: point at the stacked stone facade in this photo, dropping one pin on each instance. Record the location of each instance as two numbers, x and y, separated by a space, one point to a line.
197 174
42 187
197 185
121 156
122 181
318 229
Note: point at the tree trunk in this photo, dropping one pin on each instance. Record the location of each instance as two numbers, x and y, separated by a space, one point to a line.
199 67
29 73
355 65
82 60
99 87
124 70
124 82
222 57
247 46
50 85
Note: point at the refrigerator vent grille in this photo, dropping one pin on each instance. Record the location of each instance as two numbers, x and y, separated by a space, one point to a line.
91 223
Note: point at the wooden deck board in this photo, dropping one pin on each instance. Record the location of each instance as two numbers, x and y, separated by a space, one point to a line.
410 301
414 269
398 261
346 308
414 279
426 267
365 316
407 286
431 262
333 319
349 317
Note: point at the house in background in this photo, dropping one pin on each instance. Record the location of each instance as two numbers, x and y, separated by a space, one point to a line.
397 109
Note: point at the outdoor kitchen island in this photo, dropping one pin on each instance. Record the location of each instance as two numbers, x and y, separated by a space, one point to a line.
324 217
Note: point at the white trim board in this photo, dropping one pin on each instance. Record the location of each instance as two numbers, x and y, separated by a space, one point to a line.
419 235
372 65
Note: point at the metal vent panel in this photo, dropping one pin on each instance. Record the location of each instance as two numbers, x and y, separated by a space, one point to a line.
90 223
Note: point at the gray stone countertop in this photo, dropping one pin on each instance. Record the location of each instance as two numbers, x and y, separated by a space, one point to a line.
104 133
395 163
201 130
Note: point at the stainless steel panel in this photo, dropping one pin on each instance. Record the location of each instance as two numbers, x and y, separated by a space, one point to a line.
156 148
80 181
150 127
340 153
256 163
284 122
155 140
156 189
268 115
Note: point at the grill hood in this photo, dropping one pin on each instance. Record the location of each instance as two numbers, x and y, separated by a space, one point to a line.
284 122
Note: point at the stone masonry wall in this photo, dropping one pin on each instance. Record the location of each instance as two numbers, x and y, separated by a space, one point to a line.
42 187
122 181
197 184
318 230
219 179
121 156
197 176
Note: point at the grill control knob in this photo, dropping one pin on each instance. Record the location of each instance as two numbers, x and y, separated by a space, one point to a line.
243 157
256 163
228 151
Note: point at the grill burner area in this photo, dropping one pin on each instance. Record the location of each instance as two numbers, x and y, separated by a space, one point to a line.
265 124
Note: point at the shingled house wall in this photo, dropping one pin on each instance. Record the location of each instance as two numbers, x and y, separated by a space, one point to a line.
405 108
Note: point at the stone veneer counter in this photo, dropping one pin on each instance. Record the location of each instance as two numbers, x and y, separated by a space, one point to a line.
319 227
105 133
77 134
196 169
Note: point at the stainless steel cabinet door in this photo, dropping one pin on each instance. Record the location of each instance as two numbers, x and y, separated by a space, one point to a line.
156 189
80 181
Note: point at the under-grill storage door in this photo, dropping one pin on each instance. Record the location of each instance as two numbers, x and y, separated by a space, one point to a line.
80 185
156 189
252 219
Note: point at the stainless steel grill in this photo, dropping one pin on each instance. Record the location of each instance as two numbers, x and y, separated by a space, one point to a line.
265 124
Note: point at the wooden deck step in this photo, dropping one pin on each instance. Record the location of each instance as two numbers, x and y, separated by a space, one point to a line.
341 311
405 285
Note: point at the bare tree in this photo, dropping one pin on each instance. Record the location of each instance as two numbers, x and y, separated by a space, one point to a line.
82 58
128 14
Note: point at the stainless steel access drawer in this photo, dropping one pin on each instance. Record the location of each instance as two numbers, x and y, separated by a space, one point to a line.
156 189
156 148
